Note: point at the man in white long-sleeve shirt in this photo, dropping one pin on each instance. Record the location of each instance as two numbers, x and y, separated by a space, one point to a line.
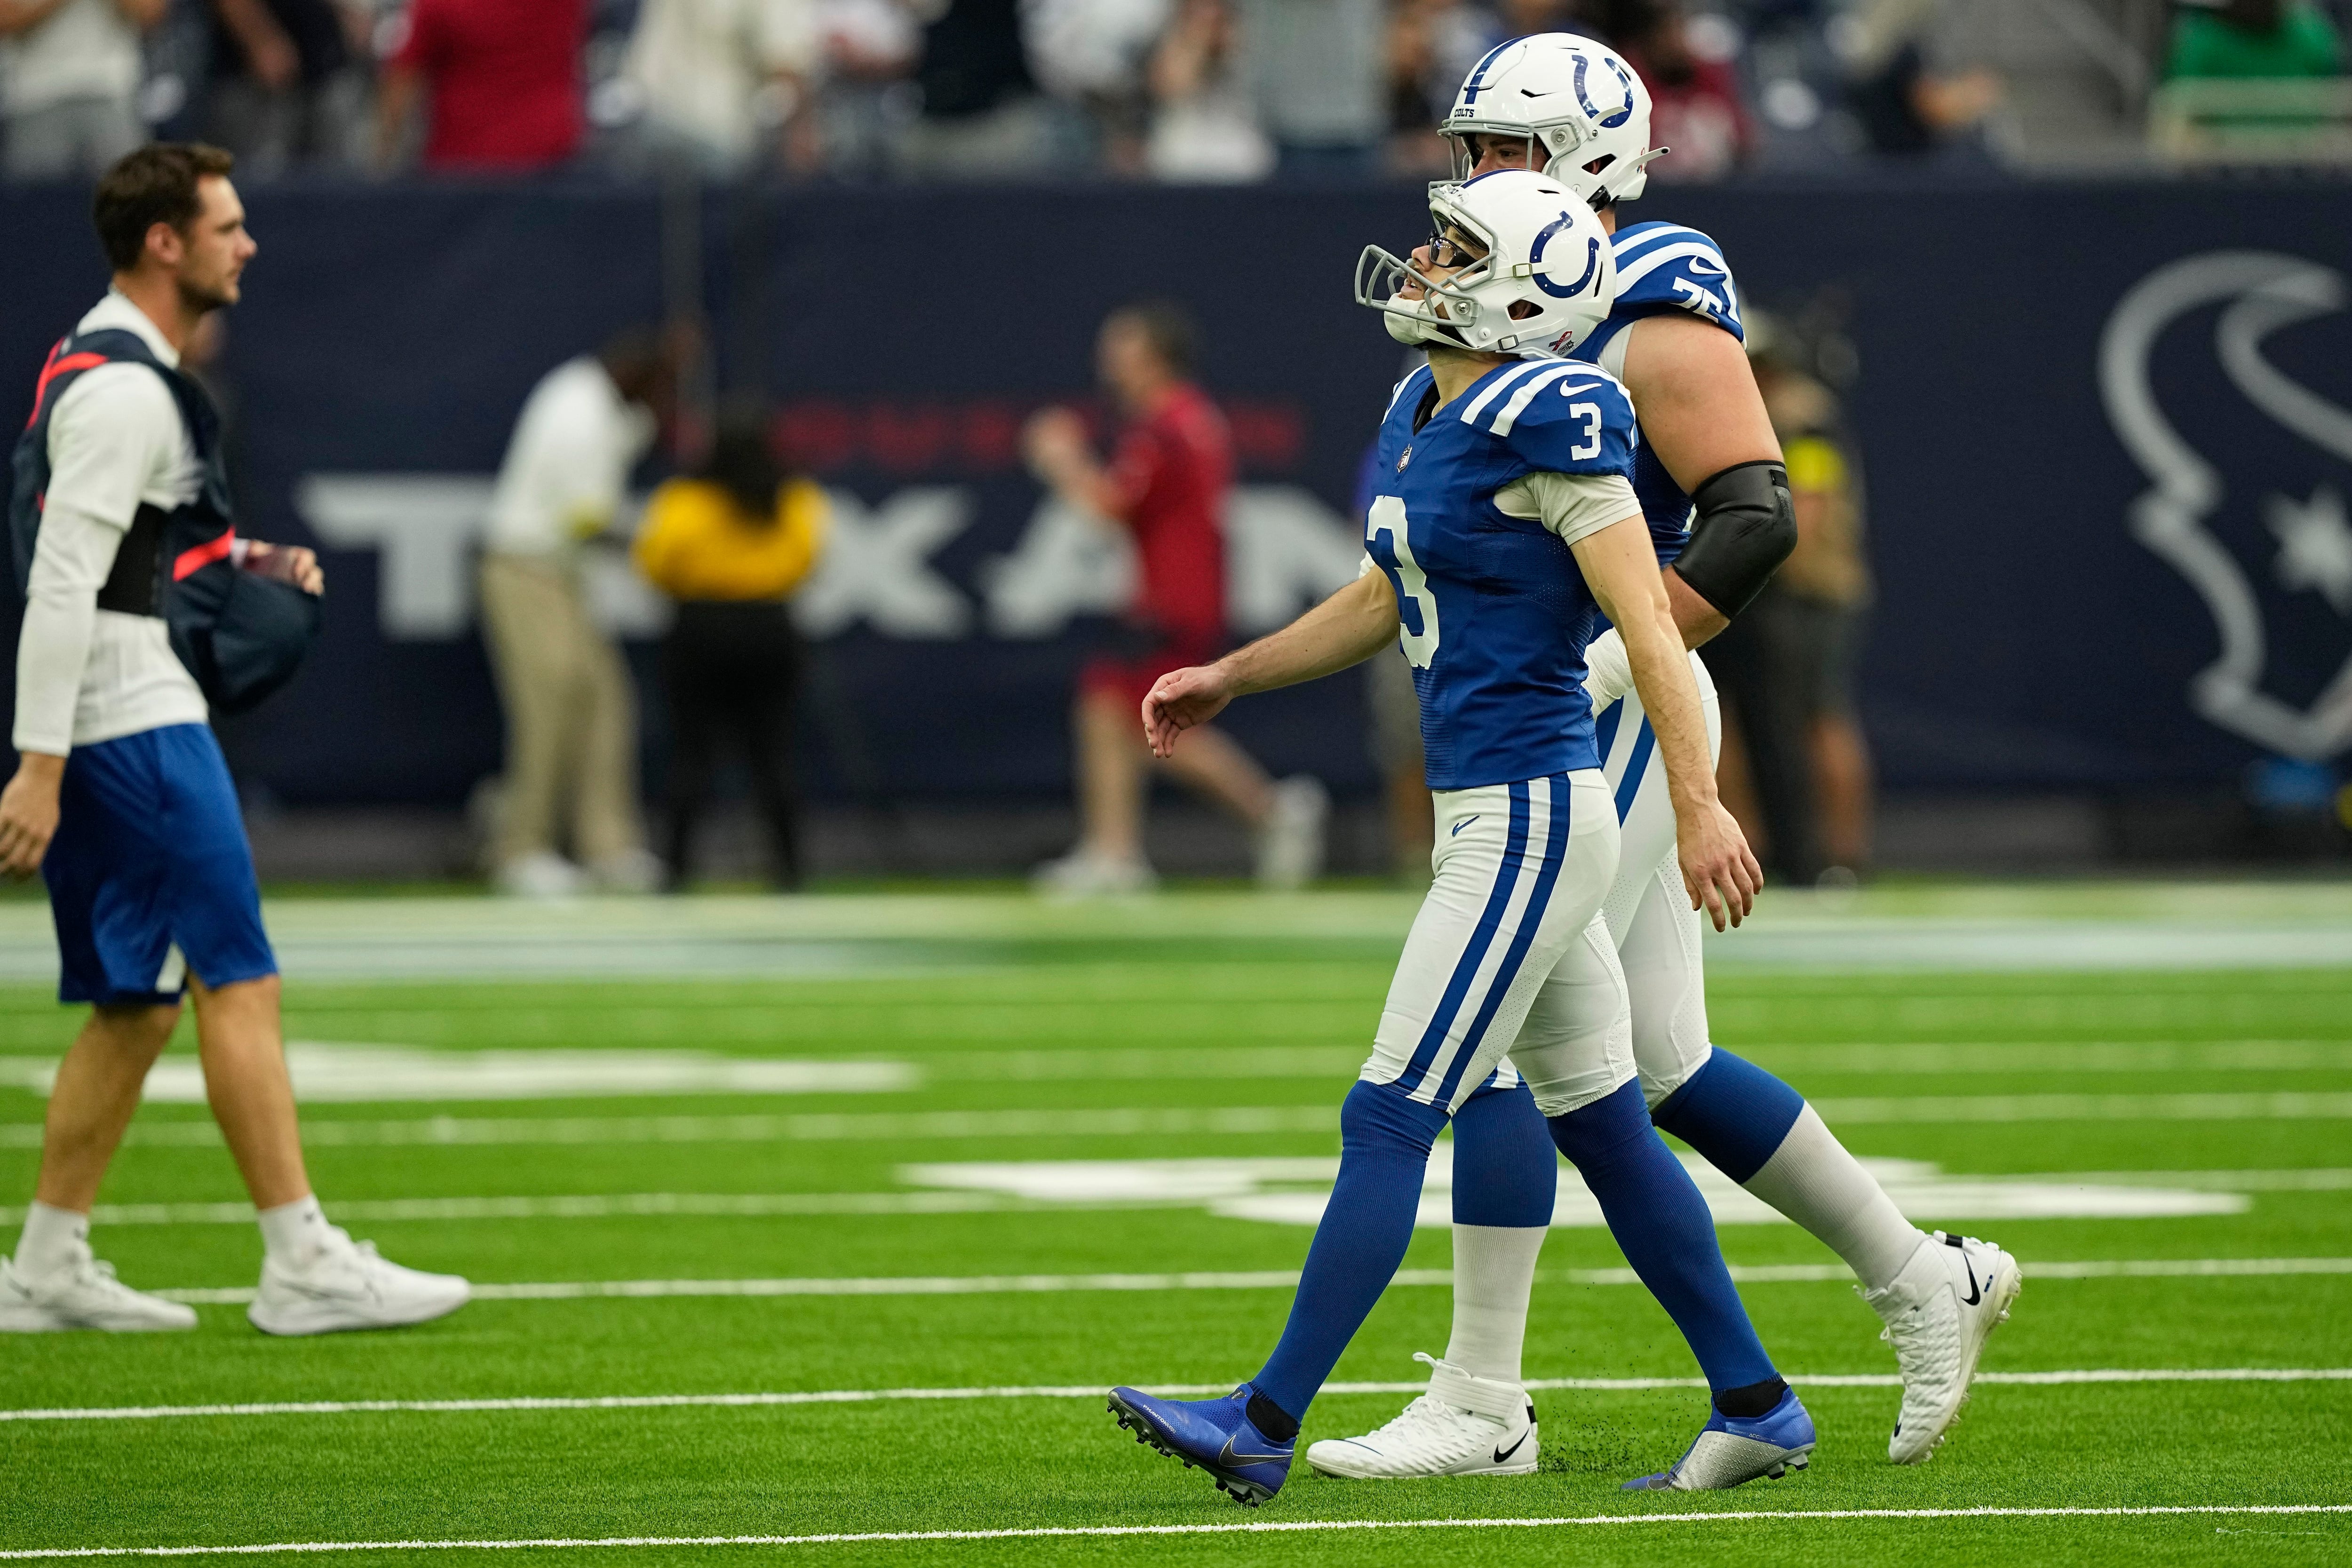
121 799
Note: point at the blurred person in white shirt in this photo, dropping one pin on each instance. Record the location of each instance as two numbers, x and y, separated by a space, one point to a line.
726 83
572 721
1204 127
69 74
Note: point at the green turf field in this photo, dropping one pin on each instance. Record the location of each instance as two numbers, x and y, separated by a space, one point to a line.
695 1192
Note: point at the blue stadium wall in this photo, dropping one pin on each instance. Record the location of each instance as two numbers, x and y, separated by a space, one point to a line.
2107 429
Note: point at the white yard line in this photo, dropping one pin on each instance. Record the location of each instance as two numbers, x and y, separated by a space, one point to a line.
1270 1280
885 1127
762 1205
1096 1390
1162 1121
1243 1527
721 1205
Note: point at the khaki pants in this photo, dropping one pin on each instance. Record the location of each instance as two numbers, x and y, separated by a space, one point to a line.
572 719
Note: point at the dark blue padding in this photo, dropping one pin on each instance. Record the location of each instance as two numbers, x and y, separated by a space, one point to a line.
1733 1112
1505 1172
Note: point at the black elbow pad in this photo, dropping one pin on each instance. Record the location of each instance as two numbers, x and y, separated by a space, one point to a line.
1745 527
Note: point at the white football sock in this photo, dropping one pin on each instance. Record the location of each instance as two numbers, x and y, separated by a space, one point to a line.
55 1239
294 1233
1812 1180
1494 1273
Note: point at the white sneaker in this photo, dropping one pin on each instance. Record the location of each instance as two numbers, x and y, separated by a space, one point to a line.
1290 844
86 1295
347 1286
1939 1310
1463 1425
542 874
1082 874
630 872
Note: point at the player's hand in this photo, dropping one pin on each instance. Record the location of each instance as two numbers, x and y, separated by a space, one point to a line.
1179 699
1719 873
295 563
28 813
1052 440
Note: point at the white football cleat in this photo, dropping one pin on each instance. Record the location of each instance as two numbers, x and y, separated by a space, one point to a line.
1083 874
1939 1310
540 875
1290 844
86 1295
1463 1425
345 1285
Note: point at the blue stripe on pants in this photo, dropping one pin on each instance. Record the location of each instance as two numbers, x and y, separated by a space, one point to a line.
1482 937
1539 898
1644 740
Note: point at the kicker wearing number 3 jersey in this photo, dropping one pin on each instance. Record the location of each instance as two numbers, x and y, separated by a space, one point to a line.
1503 523
1571 107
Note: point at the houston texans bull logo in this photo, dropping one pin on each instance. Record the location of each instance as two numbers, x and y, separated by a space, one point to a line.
2275 517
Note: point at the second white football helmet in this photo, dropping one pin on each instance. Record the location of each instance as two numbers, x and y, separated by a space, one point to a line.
1544 277
1572 97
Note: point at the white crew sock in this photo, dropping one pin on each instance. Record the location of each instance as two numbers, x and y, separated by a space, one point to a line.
294 1233
55 1239
1812 1180
1494 1273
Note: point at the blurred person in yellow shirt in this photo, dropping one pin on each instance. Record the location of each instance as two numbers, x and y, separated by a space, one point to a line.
731 543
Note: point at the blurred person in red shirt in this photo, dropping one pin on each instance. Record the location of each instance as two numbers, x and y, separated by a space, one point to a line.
1687 64
1165 486
502 78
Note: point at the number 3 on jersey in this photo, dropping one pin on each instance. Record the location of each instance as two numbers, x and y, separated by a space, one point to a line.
1387 541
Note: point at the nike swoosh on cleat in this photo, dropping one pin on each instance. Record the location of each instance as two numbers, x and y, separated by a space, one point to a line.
1976 1291
1227 1456
1502 1454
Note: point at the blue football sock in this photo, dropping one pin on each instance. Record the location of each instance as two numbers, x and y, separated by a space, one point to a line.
1733 1112
1505 1172
1385 1136
1663 1226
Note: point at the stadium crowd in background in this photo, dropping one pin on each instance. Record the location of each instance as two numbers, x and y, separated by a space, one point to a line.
1190 90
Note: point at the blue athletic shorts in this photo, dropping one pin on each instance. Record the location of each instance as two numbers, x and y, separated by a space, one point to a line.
149 875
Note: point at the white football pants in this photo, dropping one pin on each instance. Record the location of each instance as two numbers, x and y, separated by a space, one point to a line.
1651 924
1509 951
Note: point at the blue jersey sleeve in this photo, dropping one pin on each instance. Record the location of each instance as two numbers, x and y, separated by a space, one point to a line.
1663 266
1560 417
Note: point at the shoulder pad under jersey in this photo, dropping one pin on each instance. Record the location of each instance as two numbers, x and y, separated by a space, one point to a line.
1561 416
1664 264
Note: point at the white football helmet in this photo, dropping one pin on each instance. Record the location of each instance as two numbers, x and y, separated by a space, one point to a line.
1545 280
1577 99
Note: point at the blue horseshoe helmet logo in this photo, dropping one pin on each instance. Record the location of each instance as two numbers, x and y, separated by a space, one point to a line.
1585 98
1535 260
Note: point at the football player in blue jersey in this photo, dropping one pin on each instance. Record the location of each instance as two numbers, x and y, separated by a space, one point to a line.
1707 472
1504 523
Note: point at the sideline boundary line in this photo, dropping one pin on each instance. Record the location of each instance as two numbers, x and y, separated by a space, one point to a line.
1095 1391
1247 1526
1264 1280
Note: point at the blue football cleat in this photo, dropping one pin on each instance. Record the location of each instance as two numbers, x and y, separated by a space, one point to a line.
1214 1434
1732 1450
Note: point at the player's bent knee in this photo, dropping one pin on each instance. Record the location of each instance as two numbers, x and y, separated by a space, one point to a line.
136 1028
1381 1117
1657 1088
1569 1096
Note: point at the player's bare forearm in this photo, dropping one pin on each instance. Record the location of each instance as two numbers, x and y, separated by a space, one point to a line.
1347 628
1699 622
23 15
1718 872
